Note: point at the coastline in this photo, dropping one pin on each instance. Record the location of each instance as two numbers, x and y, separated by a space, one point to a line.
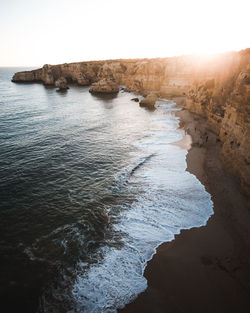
204 269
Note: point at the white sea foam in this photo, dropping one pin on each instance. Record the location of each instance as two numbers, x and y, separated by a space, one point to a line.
169 199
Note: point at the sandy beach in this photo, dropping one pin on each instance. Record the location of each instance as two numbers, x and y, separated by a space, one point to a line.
204 269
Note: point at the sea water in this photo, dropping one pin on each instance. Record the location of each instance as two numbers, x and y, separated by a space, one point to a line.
90 187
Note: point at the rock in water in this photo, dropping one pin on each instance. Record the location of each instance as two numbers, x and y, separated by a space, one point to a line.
104 86
135 99
61 83
149 101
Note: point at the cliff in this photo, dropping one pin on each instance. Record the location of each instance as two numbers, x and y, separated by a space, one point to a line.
225 101
217 87
166 76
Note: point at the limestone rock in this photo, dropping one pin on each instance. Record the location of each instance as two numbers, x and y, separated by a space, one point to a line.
104 86
61 83
27 76
149 101
225 102
82 80
47 75
23 77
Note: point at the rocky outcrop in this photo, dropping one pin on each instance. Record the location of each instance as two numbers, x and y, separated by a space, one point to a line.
104 86
149 101
61 83
47 75
216 87
27 76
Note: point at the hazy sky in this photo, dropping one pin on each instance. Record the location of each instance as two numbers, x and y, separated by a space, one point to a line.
35 32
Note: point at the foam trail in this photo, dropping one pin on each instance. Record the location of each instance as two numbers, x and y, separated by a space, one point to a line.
147 158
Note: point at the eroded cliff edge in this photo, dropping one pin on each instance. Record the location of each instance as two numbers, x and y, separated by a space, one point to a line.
216 87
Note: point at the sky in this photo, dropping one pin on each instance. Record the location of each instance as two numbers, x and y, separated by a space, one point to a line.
36 32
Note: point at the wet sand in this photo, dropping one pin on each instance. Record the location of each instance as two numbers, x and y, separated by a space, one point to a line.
204 269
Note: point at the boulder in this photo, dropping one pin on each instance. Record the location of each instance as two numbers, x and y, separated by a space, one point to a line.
23 77
149 101
104 86
135 99
61 83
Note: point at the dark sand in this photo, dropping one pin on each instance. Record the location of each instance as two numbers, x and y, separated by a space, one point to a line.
206 269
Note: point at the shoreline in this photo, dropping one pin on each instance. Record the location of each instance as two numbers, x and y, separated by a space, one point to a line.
205 269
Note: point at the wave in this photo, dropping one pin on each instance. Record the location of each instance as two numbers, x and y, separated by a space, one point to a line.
101 259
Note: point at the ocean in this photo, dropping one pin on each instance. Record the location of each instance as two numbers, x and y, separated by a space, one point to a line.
90 186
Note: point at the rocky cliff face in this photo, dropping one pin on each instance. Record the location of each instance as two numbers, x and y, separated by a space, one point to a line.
217 88
225 101
166 76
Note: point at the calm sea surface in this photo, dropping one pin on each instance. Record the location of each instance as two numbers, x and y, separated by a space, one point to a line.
89 187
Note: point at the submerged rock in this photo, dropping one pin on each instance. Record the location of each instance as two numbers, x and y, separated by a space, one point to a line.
104 86
149 101
135 99
61 83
